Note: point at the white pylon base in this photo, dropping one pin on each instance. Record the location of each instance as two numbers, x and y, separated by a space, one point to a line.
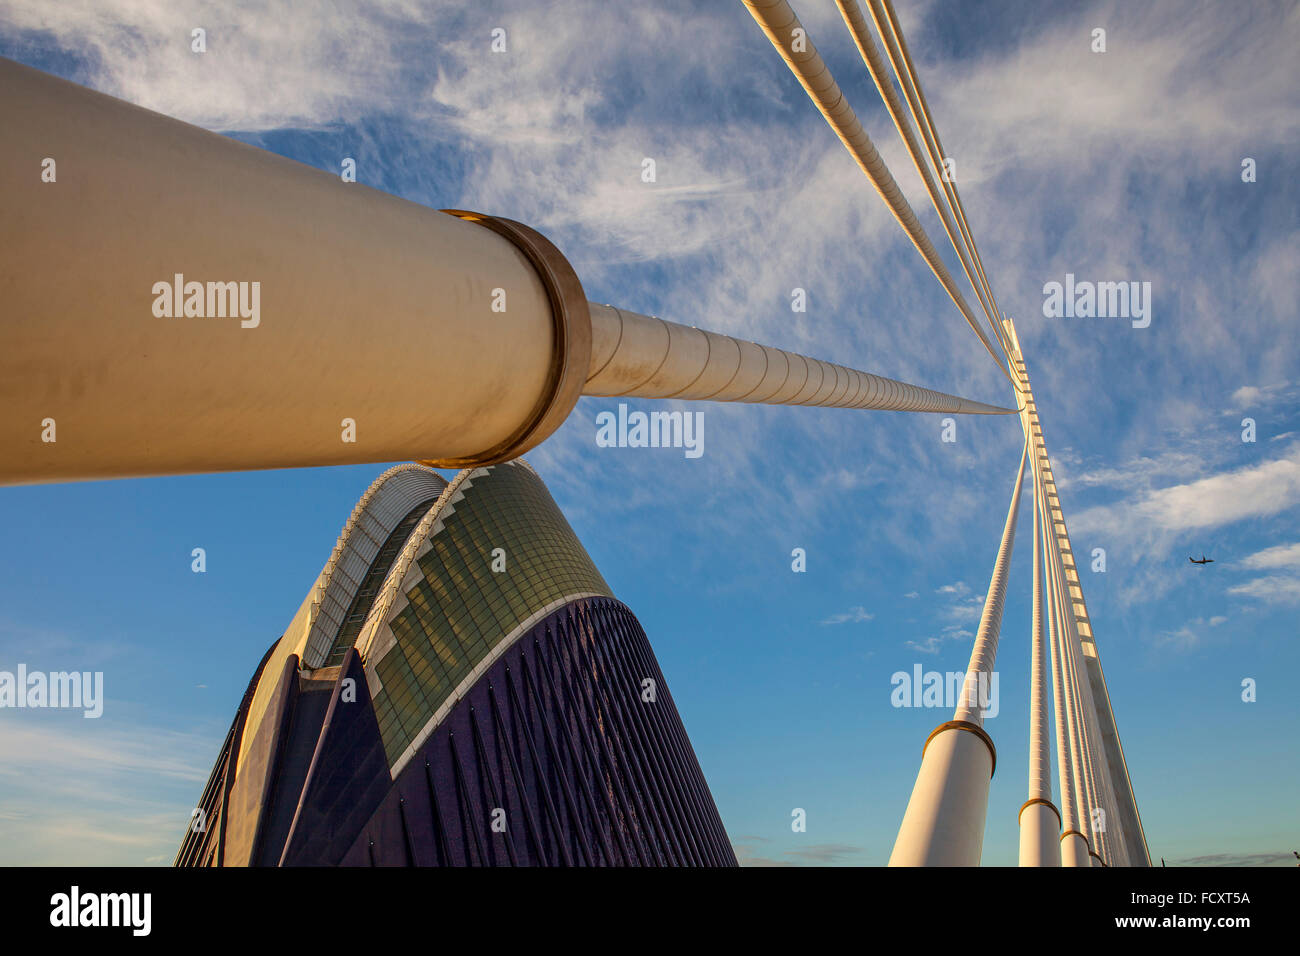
1074 851
1040 835
944 822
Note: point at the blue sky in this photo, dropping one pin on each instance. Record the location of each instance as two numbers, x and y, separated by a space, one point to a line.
1122 165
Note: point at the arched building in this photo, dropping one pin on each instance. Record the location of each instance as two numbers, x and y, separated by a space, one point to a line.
460 687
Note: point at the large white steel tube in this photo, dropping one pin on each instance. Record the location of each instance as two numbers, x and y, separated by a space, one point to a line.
1097 772
1074 846
1077 704
1084 780
176 301
1040 830
1040 765
1040 822
1122 843
1074 754
642 356
791 40
852 14
1098 826
944 821
984 652
887 23
1074 850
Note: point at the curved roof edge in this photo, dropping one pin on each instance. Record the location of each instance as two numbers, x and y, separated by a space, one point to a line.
383 603
388 499
310 634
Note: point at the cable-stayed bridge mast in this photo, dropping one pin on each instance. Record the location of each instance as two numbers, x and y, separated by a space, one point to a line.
1097 822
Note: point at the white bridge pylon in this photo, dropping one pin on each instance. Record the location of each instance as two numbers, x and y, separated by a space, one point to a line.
1097 822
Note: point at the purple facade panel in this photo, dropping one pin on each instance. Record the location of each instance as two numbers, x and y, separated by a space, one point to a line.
554 757
567 751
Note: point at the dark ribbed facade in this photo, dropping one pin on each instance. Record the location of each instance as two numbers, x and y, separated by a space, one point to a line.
498 707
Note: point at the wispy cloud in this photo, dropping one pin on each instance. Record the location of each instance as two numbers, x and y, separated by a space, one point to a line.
956 609
1190 636
1277 589
931 645
1260 397
1279 556
1140 473
82 794
854 615
1250 492
963 605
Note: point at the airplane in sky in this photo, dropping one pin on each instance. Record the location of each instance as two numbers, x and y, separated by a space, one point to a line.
1204 560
